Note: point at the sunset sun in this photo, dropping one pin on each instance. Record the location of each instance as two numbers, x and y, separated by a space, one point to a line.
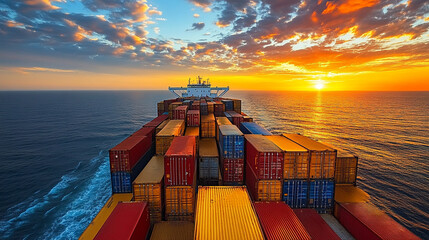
319 85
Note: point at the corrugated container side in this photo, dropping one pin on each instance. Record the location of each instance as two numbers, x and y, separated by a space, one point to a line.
234 117
315 225
219 122
180 112
177 230
160 108
233 170
208 126
179 162
161 126
295 193
146 131
156 121
264 157
321 195
179 203
167 134
263 190
346 166
127 221
204 108
195 106
365 221
219 108
208 164
210 107
237 105
167 104
279 221
125 155
104 213
193 118
253 128
229 105
231 142
225 213
172 107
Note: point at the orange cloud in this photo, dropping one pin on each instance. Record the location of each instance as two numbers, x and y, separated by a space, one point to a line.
348 6
221 25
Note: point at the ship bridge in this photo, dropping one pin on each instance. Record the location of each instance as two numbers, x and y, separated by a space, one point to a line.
199 89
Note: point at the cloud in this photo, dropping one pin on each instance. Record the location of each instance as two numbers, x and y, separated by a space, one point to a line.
26 70
196 15
198 26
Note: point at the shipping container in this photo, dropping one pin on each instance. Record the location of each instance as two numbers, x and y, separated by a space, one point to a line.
219 108
221 121
225 213
103 214
229 105
125 155
295 158
145 132
253 128
231 142
208 161
365 221
337 227
346 166
179 203
172 107
195 106
180 112
148 187
279 222
160 108
247 119
315 225
193 118
234 117
156 121
237 105
208 126
193 132
173 230
204 108
167 104
350 193
179 162
321 195
295 193
128 221
322 158
264 157
161 126
165 136
232 171
210 107
263 190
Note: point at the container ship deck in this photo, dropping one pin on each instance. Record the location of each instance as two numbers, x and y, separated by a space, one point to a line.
203 169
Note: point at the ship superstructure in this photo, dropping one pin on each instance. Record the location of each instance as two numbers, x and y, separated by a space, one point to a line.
201 88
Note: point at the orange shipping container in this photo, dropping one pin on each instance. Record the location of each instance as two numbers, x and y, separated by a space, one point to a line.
208 126
263 190
295 158
166 135
322 158
177 230
345 167
161 126
148 187
179 203
210 107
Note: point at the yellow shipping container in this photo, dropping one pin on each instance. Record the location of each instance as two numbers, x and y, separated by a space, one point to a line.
208 126
345 167
225 212
104 213
295 158
348 193
173 230
161 126
166 135
322 158
148 187
179 203
269 190
221 121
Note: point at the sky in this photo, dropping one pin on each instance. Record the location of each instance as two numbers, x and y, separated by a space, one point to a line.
303 45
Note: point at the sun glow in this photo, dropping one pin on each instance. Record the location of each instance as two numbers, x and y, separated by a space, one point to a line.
319 85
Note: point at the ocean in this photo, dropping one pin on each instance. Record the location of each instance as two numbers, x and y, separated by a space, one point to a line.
54 166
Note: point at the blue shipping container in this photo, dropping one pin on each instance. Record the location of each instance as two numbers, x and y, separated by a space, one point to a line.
295 193
227 115
321 195
253 128
229 105
231 141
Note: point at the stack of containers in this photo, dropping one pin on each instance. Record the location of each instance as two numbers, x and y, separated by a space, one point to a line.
171 108
225 213
234 117
208 129
221 121
167 104
180 179
345 167
204 108
315 225
210 107
127 221
161 126
177 230
280 222
264 168
166 135
253 128
219 109
231 144
195 105
194 132
180 112
295 172
127 159
229 105
321 173
160 108
237 105
187 103
148 187
208 162
193 118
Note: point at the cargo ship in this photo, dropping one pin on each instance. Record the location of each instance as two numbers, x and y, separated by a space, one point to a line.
203 169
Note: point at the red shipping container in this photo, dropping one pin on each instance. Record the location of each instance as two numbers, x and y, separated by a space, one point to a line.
219 108
180 112
179 162
126 154
128 221
195 106
264 157
232 170
279 221
156 121
315 225
365 221
236 118
168 102
193 118
145 131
